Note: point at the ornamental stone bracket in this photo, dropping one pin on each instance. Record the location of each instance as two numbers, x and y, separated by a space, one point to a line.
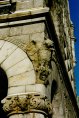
27 103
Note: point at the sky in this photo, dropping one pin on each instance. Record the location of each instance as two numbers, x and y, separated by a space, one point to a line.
74 13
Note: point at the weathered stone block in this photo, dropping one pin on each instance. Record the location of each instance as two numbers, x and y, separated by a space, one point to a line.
1 43
17 116
6 50
15 57
39 115
38 3
34 28
23 79
41 89
21 67
37 37
16 90
25 39
37 88
21 41
15 31
28 115
21 5
4 32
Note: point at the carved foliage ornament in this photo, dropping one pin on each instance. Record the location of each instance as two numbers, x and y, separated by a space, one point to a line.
26 103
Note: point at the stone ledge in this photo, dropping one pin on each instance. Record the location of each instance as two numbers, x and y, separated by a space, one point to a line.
26 13
23 22
4 2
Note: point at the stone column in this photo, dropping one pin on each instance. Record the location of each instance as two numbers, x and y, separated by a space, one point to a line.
27 106
25 98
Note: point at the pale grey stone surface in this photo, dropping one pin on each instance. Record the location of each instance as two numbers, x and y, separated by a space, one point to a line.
38 88
6 50
34 28
29 88
22 41
16 90
21 67
17 116
28 4
25 78
15 31
4 33
24 5
30 115
15 57
38 3
1 43
37 37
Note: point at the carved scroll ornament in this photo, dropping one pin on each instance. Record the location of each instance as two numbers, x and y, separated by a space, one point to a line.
27 103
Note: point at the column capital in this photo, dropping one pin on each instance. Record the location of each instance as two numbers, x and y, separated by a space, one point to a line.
27 103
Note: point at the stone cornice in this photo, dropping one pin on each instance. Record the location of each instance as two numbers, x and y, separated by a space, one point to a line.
19 14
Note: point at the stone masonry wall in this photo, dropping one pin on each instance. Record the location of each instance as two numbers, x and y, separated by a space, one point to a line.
30 40
28 56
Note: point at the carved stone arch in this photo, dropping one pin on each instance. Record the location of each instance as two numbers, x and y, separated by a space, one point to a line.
18 67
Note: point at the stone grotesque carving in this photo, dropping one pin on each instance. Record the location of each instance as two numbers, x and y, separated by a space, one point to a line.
40 54
27 103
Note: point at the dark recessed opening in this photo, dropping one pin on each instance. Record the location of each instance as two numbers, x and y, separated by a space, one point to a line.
3 90
53 89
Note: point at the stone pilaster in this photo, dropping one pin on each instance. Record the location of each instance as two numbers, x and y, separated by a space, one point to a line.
27 105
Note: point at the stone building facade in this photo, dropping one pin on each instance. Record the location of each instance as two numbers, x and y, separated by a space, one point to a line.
37 60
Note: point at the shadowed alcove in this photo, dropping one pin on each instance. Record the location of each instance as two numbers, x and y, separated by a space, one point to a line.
3 90
53 89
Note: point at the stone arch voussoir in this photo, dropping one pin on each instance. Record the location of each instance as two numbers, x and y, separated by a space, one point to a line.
18 67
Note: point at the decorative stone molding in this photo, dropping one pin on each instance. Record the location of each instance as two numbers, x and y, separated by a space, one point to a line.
27 104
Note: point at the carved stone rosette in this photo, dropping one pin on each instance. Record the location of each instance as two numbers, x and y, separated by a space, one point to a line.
28 103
